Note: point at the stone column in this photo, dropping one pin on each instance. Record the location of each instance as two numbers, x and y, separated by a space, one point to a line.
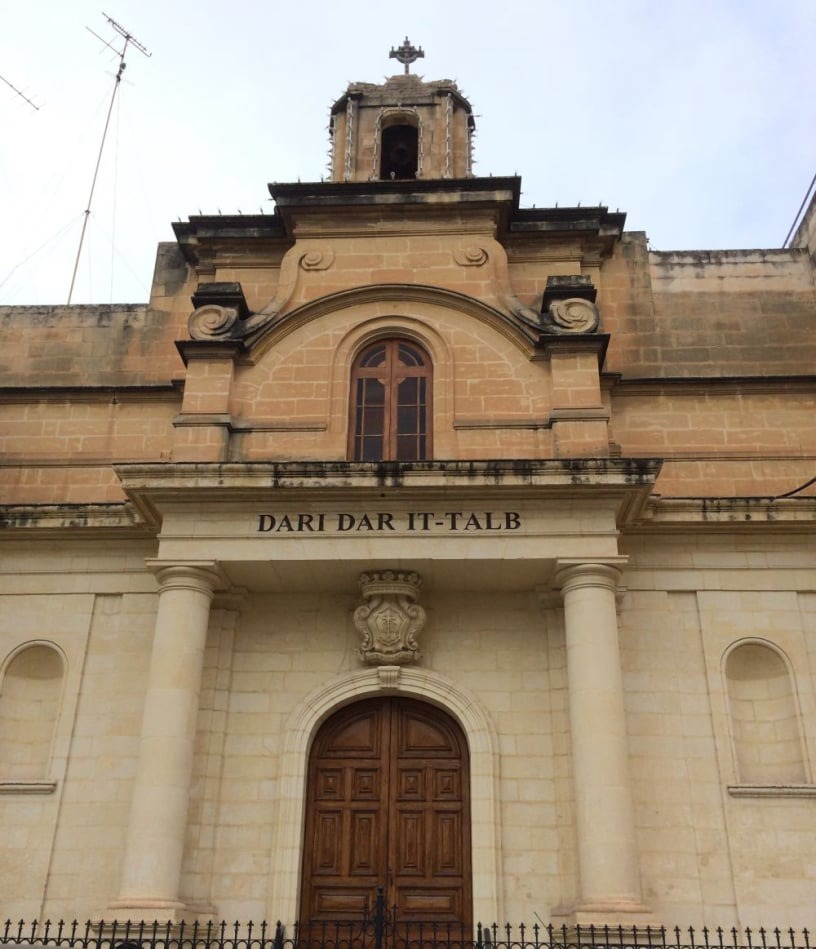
158 818
609 879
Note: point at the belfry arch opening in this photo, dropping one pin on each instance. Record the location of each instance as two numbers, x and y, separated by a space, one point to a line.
399 150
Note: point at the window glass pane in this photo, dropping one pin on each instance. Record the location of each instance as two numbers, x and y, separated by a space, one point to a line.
407 420
406 448
372 449
373 421
411 448
409 356
374 356
408 391
371 392
370 420
423 413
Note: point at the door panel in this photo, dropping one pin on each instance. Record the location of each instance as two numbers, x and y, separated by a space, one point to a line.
388 806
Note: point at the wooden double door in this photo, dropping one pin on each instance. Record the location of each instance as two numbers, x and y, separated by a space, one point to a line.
388 806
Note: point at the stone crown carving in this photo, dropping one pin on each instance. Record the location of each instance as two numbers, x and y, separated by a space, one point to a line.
390 619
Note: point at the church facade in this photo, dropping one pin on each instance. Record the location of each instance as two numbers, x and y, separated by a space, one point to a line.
412 538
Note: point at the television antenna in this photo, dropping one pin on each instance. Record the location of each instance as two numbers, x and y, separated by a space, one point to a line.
22 95
129 40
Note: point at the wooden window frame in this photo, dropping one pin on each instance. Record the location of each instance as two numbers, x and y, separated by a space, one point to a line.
390 375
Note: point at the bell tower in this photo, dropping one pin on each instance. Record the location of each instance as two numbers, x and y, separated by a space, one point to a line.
403 129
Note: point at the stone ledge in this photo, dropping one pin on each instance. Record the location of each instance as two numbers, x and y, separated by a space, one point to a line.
772 790
28 787
729 513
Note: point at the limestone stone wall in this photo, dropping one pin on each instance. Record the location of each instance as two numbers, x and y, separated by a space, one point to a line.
709 368
62 832
700 317
708 313
59 448
705 835
728 440
724 438
489 399
85 346
689 601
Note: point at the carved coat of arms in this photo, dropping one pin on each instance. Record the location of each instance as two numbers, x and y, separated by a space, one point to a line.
390 619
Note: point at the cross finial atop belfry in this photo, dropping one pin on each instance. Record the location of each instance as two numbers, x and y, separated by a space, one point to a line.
406 54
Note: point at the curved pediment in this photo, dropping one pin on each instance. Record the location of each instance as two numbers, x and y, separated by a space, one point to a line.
392 299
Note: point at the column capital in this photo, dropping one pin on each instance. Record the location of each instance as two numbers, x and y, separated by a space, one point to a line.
572 573
201 576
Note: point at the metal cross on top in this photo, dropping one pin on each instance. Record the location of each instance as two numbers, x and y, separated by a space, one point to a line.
406 54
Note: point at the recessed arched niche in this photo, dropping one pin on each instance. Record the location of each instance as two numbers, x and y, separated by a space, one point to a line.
765 726
30 696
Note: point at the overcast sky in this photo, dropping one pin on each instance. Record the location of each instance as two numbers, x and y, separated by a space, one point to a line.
696 118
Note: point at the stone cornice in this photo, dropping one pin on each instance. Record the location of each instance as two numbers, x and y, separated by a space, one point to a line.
704 384
159 392
627 481
728 514
624 483
81 520
576 473
344 193
598 223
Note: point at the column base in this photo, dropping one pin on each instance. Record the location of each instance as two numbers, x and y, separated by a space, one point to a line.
165 912
628 914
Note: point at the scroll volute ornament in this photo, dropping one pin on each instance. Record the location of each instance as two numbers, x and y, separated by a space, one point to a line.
573 316
391 619
220 310
212 322
568 306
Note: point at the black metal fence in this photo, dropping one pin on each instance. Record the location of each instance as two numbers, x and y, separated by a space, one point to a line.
383 934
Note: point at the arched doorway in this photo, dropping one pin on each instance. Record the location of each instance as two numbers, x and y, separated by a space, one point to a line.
388 805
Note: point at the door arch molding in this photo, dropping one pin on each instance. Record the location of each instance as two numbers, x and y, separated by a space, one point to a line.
431 687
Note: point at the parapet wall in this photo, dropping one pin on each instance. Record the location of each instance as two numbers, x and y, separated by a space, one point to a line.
709 313
68 346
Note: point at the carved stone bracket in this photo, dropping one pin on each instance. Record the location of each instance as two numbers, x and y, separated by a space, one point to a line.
390 619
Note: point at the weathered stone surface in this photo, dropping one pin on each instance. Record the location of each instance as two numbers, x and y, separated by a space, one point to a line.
614 530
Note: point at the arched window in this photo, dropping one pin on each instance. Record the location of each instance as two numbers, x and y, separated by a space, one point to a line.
391 401
29 704
764 720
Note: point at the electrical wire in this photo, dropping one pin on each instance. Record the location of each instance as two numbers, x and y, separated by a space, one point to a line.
100 230
799 212
42 246
789 494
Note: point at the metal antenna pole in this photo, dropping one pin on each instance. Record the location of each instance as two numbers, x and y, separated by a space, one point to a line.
129 40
